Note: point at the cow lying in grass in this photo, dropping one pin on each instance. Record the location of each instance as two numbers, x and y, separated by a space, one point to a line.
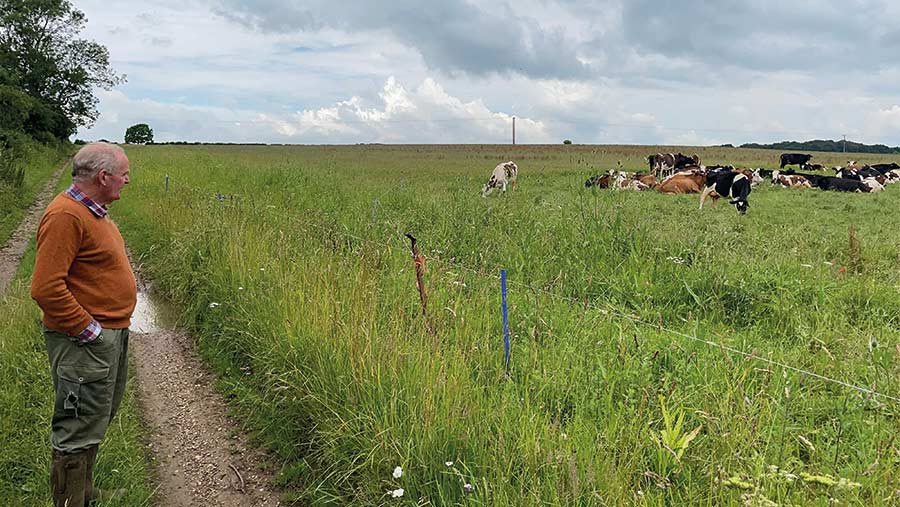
688 181
790 180
731 184
504 174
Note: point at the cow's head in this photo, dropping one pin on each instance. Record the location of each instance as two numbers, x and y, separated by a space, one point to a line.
492 183
741 205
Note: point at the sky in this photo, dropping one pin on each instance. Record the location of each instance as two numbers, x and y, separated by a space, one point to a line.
687 72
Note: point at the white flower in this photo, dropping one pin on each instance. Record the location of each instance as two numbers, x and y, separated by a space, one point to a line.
213 305
240 288
262 269
398 472
448 463
468 488
397 493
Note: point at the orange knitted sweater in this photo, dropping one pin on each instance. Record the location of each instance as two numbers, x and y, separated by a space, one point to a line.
81 271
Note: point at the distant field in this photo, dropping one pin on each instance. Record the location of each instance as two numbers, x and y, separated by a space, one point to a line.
318 336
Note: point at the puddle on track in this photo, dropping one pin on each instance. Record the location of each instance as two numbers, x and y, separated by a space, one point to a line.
152 314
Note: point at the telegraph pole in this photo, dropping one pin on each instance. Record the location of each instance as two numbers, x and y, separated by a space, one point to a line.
845 143
514 130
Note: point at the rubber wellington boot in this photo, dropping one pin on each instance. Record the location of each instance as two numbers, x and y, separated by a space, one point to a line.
67 473
94 495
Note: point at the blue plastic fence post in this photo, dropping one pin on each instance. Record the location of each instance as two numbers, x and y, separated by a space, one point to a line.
167 183
505 316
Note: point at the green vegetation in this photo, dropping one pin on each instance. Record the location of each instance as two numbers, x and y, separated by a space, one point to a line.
26 404
35 163
320 346
47 81
827 145
140 133
42 57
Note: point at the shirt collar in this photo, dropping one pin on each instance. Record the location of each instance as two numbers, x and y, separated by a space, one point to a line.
98 210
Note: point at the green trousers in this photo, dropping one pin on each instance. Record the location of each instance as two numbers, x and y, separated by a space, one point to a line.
89 381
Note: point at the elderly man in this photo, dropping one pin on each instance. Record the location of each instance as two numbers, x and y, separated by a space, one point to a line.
84 284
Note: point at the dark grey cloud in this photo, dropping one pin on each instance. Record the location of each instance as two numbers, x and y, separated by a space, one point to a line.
763 36
453 36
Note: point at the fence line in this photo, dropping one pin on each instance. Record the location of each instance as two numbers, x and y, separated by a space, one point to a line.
611 310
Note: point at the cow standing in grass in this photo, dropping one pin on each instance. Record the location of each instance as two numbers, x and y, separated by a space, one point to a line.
798 159
504 174
730 184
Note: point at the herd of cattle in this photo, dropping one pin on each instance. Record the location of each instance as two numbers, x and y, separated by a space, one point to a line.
676 173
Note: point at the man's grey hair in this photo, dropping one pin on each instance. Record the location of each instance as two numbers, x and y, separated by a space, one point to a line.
96 157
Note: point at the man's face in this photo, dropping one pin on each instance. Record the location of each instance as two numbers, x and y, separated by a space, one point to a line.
113 181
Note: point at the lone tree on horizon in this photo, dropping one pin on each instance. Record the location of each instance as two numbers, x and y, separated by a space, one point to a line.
140 133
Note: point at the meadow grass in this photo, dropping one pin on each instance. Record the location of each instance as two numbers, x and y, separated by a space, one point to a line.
26 405
317 335
40 162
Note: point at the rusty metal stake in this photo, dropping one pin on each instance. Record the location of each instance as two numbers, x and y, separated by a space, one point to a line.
419 261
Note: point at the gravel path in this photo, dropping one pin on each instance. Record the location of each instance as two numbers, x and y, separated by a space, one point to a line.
202 456
12 251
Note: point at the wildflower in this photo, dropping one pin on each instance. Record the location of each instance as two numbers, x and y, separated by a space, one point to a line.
240 288
398 472
397 493
468 488
213 305
448 463
262 269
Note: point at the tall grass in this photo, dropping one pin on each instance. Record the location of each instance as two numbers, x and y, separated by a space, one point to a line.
319 342
39 164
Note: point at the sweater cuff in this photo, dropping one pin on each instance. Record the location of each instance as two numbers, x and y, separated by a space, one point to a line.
90 333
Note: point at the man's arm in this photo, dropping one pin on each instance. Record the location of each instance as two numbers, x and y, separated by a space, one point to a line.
59 239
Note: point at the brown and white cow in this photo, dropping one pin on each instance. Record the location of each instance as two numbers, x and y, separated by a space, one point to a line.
790 180
686 182
624 182
504 174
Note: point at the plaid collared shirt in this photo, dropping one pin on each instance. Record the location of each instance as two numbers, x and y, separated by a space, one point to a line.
75 193
91 332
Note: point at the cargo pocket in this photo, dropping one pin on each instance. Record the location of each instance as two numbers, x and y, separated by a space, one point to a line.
81 388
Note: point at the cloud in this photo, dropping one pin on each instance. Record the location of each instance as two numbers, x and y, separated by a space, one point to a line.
454 36
434 115
605 71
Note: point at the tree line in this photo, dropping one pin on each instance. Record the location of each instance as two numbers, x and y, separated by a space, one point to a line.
825 145
47 79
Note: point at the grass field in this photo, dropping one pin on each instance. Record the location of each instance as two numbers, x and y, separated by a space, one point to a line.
317 335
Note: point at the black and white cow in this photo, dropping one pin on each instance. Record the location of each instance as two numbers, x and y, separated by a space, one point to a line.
847 174
841 184
883 168
663 165
730 184
503 174
794 158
